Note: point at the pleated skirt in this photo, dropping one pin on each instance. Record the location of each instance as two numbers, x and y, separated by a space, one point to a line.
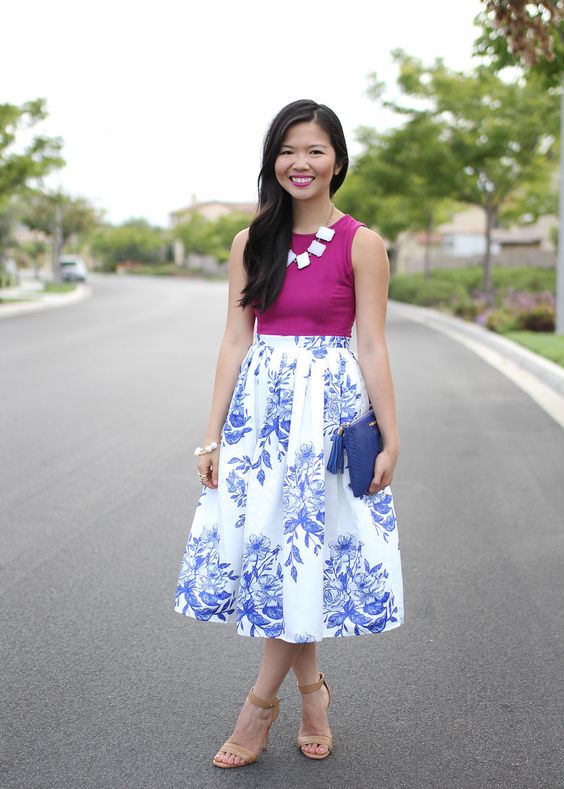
282 548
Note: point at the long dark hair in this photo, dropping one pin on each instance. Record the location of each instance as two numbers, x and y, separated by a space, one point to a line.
270 233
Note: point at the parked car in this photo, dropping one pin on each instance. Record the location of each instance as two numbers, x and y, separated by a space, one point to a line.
72 269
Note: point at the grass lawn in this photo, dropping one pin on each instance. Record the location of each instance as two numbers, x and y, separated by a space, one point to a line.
549 345
4 300
172 270
59 287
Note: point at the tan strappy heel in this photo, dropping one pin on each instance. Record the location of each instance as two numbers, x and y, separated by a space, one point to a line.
316 739
239 750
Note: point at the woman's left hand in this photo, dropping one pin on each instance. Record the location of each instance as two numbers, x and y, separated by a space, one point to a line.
383 470
208 464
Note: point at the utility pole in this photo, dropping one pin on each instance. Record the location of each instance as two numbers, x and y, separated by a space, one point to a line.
560 254
57 236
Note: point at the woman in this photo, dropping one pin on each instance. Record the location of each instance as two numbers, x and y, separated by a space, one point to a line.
278 543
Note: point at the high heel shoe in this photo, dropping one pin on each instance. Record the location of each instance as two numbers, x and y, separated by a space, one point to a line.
316 739
233 747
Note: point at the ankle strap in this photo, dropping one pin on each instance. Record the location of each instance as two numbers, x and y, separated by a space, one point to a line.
266 705
314 685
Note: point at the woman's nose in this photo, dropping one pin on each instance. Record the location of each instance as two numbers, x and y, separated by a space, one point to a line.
301 163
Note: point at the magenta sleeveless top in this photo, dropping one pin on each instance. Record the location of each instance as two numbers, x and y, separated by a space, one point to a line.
318 299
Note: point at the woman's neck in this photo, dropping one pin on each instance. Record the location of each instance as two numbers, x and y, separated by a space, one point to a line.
307 217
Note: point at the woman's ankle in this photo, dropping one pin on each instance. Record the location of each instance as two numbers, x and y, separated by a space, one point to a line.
307 677
265 693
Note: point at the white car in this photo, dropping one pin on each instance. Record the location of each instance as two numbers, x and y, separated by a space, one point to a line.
72 269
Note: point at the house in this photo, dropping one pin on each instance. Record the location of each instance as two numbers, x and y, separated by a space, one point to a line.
210 210
462 242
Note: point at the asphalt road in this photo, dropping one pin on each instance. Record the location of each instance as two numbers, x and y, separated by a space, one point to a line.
105 686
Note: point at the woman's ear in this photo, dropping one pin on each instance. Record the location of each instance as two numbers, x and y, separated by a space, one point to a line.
337 169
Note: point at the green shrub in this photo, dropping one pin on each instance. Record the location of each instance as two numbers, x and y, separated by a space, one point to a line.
470 277
524 278
159 270
404 287
7 280
539 318
437 292
467 309
501 321
523 297
427 293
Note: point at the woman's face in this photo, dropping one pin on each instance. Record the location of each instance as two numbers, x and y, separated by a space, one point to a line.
306 162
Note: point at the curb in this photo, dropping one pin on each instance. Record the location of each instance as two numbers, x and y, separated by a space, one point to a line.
46 302
548 372
540 378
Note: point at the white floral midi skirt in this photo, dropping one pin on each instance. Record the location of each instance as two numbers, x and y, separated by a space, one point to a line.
282 547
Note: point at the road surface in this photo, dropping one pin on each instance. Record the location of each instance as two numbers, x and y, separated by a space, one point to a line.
104 686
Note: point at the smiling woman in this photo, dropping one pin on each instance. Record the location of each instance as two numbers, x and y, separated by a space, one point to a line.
279 545
306 160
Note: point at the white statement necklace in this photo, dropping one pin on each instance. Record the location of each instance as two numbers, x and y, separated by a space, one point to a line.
316 247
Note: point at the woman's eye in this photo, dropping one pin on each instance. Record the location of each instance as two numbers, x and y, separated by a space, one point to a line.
317 151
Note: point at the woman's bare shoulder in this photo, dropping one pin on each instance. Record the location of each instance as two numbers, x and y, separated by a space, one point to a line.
237 249
368 241
368 247
241 238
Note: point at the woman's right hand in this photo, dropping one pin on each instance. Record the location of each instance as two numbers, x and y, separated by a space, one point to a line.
208 464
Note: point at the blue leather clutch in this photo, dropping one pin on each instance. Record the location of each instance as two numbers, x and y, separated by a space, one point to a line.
362 440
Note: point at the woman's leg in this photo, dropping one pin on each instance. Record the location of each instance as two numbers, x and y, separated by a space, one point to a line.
314 705
277 659
305 665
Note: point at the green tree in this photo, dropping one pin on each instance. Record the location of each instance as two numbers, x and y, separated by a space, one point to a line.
19 167
34 254
134 241
194 234
523 33
361 196
202 236
530 36
60 217
498 136
413 171
221 233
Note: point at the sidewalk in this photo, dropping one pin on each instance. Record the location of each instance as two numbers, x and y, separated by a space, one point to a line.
542 379
30 290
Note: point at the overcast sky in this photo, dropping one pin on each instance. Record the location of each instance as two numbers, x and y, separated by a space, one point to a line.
160 101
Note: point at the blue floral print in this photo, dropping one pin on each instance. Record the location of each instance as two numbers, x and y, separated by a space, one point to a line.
237 488
303 496
383 515
236 424
355 594
341 397
318 344
204 580
260 592
277 417
276 424
280 532
262 355
304 638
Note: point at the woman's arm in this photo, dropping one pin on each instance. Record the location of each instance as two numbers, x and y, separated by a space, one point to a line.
372 276
237 338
